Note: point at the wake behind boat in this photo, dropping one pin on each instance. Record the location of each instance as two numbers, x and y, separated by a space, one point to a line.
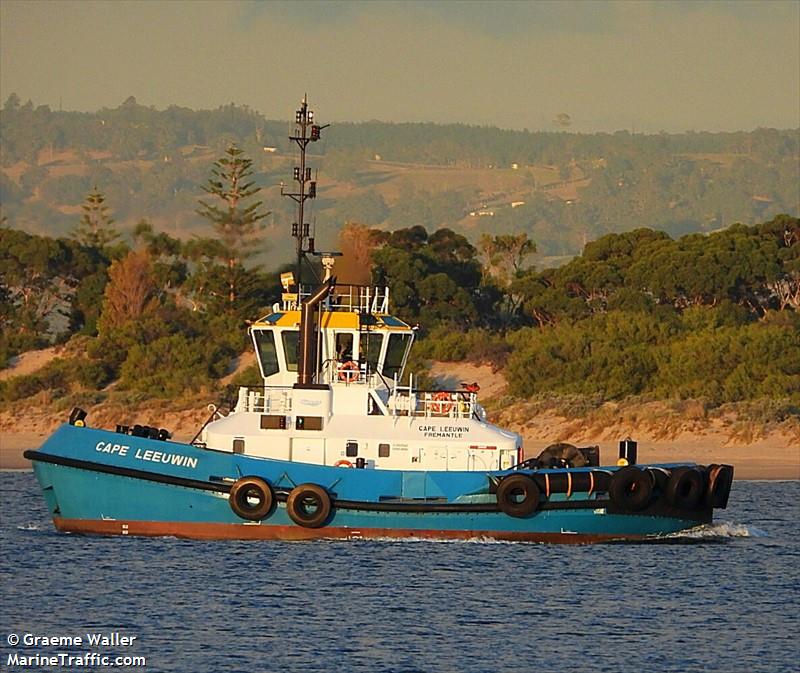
335 445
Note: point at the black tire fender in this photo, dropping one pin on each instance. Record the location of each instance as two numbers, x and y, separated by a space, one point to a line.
631 488
309 505
251 498
720 480
518 496
685 488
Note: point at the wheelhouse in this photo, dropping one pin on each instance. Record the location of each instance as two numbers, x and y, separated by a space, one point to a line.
355 343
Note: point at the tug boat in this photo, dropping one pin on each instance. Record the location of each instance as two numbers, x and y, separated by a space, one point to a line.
334 445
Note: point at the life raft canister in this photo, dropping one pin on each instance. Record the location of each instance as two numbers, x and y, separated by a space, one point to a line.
349 372
309 505
518 496
685 488
631 488
251 498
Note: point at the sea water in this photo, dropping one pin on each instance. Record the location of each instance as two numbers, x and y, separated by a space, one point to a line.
726 598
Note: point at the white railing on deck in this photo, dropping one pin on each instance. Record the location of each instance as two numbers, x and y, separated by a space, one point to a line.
353 298
266 400
405 401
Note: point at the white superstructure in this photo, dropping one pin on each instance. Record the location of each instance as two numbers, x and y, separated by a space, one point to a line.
352 409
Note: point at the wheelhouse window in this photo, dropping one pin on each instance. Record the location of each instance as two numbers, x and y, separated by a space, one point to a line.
396 353
290 338
267 353
370 349
344 346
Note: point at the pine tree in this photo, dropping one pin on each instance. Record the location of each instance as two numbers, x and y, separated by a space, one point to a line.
236 222
94 228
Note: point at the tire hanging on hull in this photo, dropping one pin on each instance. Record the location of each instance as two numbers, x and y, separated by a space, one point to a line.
309 505
685 488
631 488
518 496
251 498
720 479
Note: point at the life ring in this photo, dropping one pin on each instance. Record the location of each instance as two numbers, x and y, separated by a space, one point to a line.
251 498
631 488
685 488
348 371
518 496
442 403
720 479
309 505
343 463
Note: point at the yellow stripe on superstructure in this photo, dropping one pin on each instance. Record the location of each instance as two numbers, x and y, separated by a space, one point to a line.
331 320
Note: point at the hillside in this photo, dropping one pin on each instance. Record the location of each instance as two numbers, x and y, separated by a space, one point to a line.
562 189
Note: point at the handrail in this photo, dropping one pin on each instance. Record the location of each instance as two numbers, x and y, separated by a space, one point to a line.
433 404
344 297
265 399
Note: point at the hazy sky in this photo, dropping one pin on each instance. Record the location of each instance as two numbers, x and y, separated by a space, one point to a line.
645 65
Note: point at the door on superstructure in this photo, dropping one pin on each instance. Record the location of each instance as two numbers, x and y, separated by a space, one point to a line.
458 459
433 458
308 450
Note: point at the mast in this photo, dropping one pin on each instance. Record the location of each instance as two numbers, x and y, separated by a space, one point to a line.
305 132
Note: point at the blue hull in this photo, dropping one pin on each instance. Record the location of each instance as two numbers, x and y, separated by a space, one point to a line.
96 481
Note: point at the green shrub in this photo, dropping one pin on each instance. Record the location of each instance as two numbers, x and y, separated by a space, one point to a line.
168 367
55 376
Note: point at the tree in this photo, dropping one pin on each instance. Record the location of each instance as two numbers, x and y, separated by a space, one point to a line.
237 222
12 103
505 254
130 291
434 278
94 228
357 243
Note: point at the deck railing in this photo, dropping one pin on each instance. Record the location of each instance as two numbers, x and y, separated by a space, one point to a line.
265 400
353 298
435 404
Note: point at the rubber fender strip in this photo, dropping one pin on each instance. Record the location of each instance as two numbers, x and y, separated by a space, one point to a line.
127 472
456 507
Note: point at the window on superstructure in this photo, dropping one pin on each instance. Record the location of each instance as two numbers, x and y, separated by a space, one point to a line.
395 354
267 353
290 338
370 349
344 346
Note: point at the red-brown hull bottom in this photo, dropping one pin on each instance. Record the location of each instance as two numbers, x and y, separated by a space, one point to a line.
230 531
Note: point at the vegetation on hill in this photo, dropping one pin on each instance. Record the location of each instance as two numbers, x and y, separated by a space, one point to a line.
561 189
714 317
